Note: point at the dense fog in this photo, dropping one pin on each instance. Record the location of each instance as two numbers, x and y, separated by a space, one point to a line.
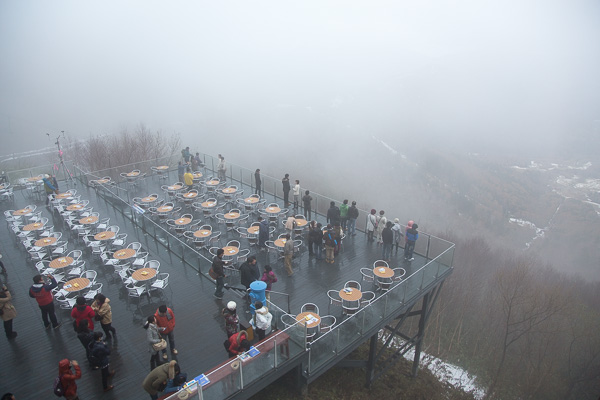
363 86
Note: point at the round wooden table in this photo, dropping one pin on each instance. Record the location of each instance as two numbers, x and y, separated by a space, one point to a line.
107 235
352 295
230 250
133 173
23 211
229 190
253 230
124 254
64 195
212 182
77 284
313 320
163 167
280 242
49 241
183 221
35 178
174 187
232 215
190 195
208 204
88 220
202 233
383 272
164 209
301 222
273 210
143 274
75 207
61 262
148 199
33 227
102 181
251 200
197 175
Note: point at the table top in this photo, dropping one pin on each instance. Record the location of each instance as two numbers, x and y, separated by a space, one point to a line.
202 233
76 284
273 210
49 241
143 274
251 200
102 180
383 272
162 167
310 318
124 254
33 227
61 262
197 175
174 187
88 220
183 221
64 195
280 242
190 195
230 250
353 295
133 173
148 199
212 182
74 207
164 209
35 178
253 230
232 215
208 204
106 235
23 211
301 222
229 190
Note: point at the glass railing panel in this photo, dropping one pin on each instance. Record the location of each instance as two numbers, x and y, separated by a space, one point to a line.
322 350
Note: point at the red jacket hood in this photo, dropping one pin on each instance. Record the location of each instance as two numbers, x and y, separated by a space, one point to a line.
64 366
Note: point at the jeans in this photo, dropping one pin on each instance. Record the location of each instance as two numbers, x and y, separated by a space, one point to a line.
220 285
8 328
107 328
286 198
344 222
351 226
48 310
171 340
105 374
319 251
408 249
258 190
387 251
260 333
307 212
154 360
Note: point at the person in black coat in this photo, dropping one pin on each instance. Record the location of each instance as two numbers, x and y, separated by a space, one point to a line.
387 235
333 214
263 232
249 272
258 182
286 190
86 338
100 353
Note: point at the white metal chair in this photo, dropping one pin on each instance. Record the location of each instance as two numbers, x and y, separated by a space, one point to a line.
367 298
352 284
398 274
161 282
309 307
90 274
327 322
367 274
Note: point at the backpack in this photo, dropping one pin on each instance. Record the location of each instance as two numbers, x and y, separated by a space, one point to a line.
59 390
94 361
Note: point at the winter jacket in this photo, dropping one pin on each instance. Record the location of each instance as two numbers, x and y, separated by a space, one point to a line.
269 278
397 229
263 230
371 222
288 248
188 178
101 352
104 311
42 292
235 340
353 212
412 235
381 223
263 318
67 377
290 223
344 210
333 215
83 312
232 323
6 305
152 336
166 321
286 184
157 377
306 199
50 185
217 266
387 235
249 273
296 190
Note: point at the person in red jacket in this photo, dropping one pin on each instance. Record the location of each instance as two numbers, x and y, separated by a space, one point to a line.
165 320
67 378
42 293
238 343
82 311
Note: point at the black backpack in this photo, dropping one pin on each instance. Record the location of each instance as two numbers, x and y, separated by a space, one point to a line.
59 390
94 361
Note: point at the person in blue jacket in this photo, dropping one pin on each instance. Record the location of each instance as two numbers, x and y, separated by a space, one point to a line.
411 238
50 186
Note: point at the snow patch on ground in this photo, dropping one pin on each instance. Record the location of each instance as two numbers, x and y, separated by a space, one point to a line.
387 146
539 232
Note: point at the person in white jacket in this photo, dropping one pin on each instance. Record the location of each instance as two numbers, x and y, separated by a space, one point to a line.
262 320
296 191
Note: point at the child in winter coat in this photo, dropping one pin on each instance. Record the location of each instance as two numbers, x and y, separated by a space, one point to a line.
269 278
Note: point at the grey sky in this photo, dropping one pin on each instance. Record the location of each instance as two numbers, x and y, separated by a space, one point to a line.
495 74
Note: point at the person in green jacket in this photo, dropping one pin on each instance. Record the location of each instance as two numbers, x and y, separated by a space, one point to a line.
344 214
